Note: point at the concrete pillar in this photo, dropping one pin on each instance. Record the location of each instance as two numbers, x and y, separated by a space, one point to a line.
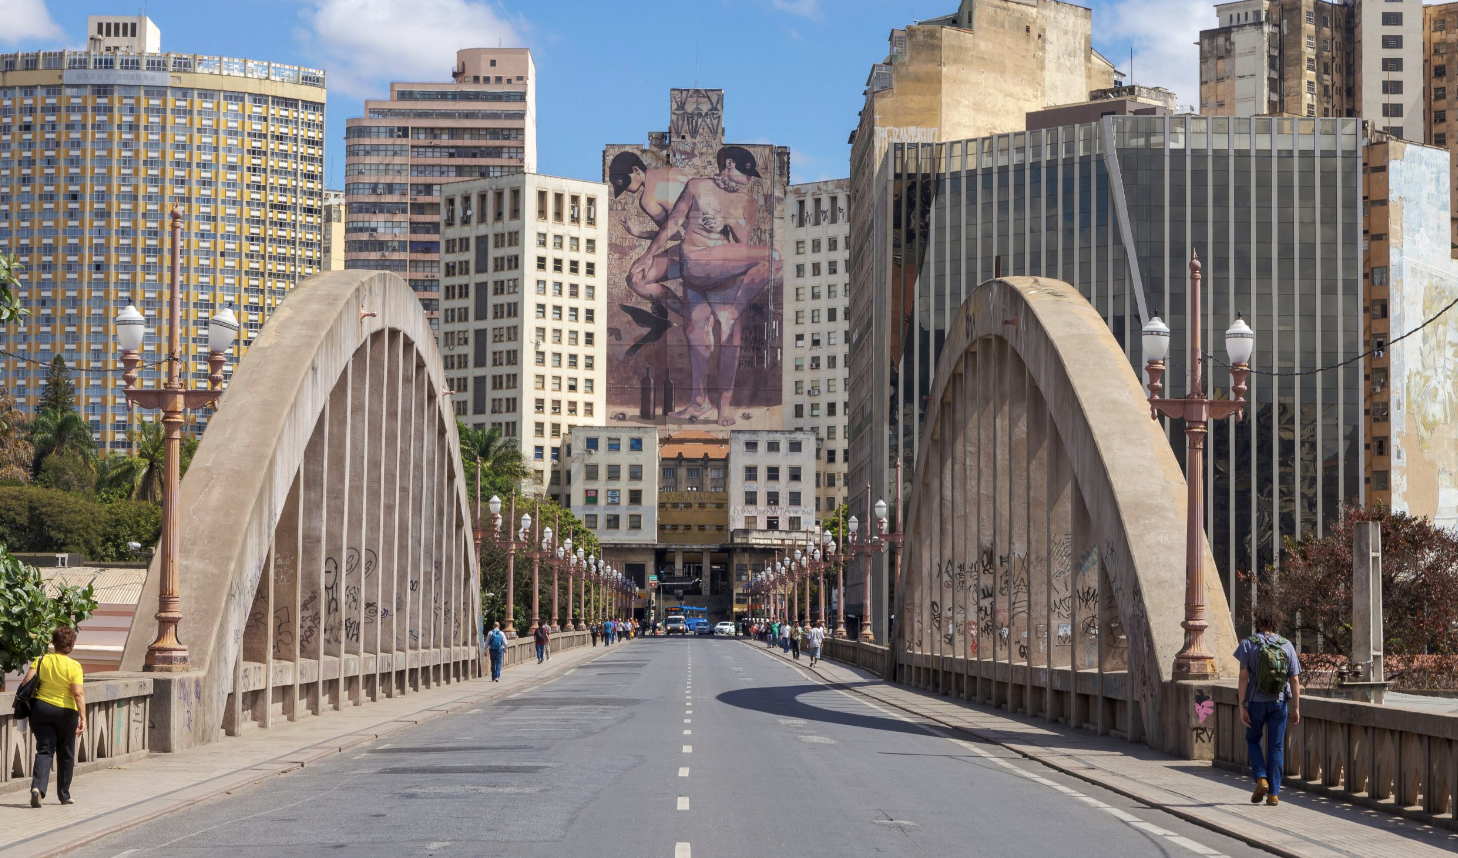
986 558
1367 632
313 480
1039 555
352 601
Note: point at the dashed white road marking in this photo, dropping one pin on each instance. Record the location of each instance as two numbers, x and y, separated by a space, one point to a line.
682 850
688 732
683 771
688 720
688 749
683 802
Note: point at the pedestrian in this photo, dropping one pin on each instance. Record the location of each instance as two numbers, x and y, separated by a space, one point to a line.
1270 693
496 648
816 639
57 716
595 633
795 633
785 638
607 632
543 639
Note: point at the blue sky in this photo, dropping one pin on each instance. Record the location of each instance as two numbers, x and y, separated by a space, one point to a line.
792 70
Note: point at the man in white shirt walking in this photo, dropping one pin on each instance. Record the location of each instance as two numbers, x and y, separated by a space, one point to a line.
815 638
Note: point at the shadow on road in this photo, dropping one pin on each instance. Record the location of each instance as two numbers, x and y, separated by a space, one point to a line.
784 701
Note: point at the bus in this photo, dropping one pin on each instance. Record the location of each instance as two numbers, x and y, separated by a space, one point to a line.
690 615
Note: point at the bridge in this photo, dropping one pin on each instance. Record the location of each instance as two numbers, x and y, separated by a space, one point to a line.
1026 699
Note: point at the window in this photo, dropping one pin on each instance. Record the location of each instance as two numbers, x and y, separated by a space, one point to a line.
635 497
590 520
1394 64
1311 18
1392 87
1311 64
751 446
772 473
1391 43
614 496
1440 93
1311 87
751 473
1440 116
1440 139
1310 43
589 472
1392 110
772 446
800 248
589 443
797 447
670 473
612 522
615 444
772 522
614 472
1392 19
794 473
751 497
751 522
635 521
794 498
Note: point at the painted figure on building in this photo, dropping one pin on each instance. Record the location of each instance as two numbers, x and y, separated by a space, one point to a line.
694 273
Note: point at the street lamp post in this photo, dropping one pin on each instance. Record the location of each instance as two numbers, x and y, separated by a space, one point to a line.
881 540
511 544
827 549
174 399
1195 661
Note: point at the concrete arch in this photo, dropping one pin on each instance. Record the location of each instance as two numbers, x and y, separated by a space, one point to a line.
1044 566
327 552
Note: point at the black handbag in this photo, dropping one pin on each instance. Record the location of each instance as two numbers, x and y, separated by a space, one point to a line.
26 692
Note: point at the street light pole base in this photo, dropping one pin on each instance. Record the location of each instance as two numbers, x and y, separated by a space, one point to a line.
867 636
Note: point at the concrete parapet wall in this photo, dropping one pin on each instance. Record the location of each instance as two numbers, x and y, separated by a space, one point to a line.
118 709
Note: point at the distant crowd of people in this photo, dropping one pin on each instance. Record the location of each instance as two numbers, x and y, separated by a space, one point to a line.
792 637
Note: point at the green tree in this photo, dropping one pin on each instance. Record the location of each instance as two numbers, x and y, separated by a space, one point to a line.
34 518
502 465
59 392
68 471
117 477
17 456
28 614
53 431
10 306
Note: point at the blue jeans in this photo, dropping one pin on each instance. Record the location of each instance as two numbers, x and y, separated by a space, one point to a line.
541 651
1268 717
496 655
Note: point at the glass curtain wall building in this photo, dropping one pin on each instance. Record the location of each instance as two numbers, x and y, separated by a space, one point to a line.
1115 208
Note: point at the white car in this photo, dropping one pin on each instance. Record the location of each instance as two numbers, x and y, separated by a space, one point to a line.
725 628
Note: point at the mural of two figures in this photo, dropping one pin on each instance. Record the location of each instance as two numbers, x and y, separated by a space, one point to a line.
694 273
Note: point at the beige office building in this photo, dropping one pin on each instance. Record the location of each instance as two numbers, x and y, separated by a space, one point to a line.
96 146
817 300
523 306
333 231
613 491
405 149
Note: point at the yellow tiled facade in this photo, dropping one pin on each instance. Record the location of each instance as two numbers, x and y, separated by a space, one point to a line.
95 148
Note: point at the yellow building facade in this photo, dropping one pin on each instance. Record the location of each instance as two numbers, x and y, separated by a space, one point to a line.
95 149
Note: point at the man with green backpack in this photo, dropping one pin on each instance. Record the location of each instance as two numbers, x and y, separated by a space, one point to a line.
1270 693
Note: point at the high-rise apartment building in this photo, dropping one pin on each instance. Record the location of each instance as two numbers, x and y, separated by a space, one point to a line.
1440 70
95 148
817 299
333 231
1295 231
523 307
407 148
1360 58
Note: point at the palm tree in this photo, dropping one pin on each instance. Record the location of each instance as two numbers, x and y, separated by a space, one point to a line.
17 456
500 457
119 475
52 432
151 446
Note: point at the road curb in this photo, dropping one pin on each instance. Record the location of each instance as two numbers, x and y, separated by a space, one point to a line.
1113 785
253 775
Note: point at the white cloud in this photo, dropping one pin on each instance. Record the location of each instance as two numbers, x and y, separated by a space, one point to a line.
1165 35
26 20
363 44
807 8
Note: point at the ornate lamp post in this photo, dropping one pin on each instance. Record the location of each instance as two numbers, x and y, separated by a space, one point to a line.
1195 661
512 544
541 551
174 399
882 540
827 545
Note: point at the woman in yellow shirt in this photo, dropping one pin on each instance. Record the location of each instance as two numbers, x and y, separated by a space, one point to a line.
57 715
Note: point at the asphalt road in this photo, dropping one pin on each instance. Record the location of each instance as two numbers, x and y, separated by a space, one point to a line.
683 747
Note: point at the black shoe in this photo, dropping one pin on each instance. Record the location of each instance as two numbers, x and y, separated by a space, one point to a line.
68 801
35 797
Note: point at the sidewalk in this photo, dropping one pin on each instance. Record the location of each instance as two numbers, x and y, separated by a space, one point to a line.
1304 826
115 799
